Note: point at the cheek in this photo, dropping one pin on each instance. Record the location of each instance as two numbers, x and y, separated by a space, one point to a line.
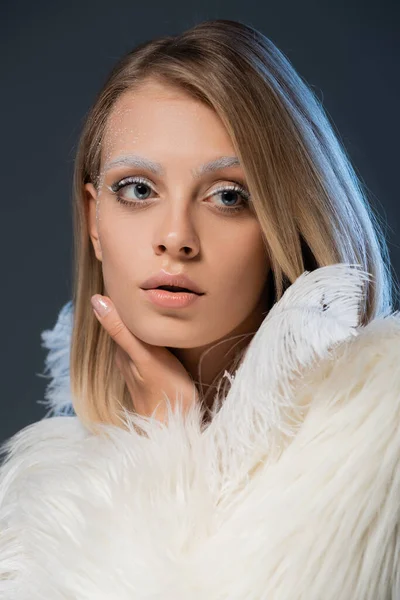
123 250
244 264
122 239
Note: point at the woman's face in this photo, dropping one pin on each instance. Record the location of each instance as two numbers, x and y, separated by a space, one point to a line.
174 220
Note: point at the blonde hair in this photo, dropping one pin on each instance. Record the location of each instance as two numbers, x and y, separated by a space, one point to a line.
309 202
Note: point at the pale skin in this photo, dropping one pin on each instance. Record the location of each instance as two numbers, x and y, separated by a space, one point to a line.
180 229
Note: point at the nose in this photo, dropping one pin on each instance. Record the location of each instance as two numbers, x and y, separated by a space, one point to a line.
177 237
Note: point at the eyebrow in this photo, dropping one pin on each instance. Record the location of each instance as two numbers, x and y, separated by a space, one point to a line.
156 168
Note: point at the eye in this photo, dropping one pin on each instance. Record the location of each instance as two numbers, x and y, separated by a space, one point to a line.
137 191
231 193
133 185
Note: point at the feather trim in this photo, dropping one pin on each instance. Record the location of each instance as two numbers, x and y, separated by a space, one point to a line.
58 398
317 312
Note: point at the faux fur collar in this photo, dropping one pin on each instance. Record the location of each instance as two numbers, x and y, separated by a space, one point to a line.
291 493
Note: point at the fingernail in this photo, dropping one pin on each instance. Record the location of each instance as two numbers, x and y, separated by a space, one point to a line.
100 305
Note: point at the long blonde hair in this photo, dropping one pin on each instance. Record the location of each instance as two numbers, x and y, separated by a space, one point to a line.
309 202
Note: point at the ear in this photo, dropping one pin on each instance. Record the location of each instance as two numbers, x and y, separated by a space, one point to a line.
91 200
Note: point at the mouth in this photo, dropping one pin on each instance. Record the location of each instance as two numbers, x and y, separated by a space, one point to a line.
170 296
176 289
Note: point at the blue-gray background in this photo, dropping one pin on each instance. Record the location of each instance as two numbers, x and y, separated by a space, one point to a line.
55 56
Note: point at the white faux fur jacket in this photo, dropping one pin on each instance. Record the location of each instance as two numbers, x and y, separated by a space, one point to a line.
292 492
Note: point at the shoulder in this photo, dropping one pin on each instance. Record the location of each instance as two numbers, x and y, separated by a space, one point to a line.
35 447
31 469
359 381
372 356
53 430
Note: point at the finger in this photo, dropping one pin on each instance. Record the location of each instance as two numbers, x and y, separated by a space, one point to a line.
108 316
118 356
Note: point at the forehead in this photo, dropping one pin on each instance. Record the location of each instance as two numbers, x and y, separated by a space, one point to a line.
156 114
155 94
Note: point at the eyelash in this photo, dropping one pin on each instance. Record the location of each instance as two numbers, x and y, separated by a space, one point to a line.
236 187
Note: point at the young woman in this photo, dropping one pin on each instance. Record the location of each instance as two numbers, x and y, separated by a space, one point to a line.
237 438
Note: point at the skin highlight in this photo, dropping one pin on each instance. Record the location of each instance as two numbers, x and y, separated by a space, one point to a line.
179 227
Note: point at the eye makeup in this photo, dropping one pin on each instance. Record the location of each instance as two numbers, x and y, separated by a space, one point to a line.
132 181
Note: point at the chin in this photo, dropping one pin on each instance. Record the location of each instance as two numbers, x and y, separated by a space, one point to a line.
169 341
169 335
153 338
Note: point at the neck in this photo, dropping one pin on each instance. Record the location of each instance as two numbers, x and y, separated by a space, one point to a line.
206 364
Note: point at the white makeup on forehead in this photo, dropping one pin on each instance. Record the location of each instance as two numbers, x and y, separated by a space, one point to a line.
119 132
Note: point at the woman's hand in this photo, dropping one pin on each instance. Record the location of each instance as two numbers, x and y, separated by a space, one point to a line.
148 370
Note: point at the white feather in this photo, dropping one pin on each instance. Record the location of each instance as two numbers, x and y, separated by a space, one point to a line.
316 313
57 341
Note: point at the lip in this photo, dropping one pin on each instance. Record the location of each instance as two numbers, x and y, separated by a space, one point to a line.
164 278
171 299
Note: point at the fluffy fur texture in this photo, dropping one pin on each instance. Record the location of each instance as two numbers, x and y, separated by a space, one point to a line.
291 492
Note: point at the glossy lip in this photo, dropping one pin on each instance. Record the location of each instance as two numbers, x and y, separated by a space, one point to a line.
164 278
171 299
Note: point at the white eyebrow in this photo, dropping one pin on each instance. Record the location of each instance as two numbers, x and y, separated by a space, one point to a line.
157 169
